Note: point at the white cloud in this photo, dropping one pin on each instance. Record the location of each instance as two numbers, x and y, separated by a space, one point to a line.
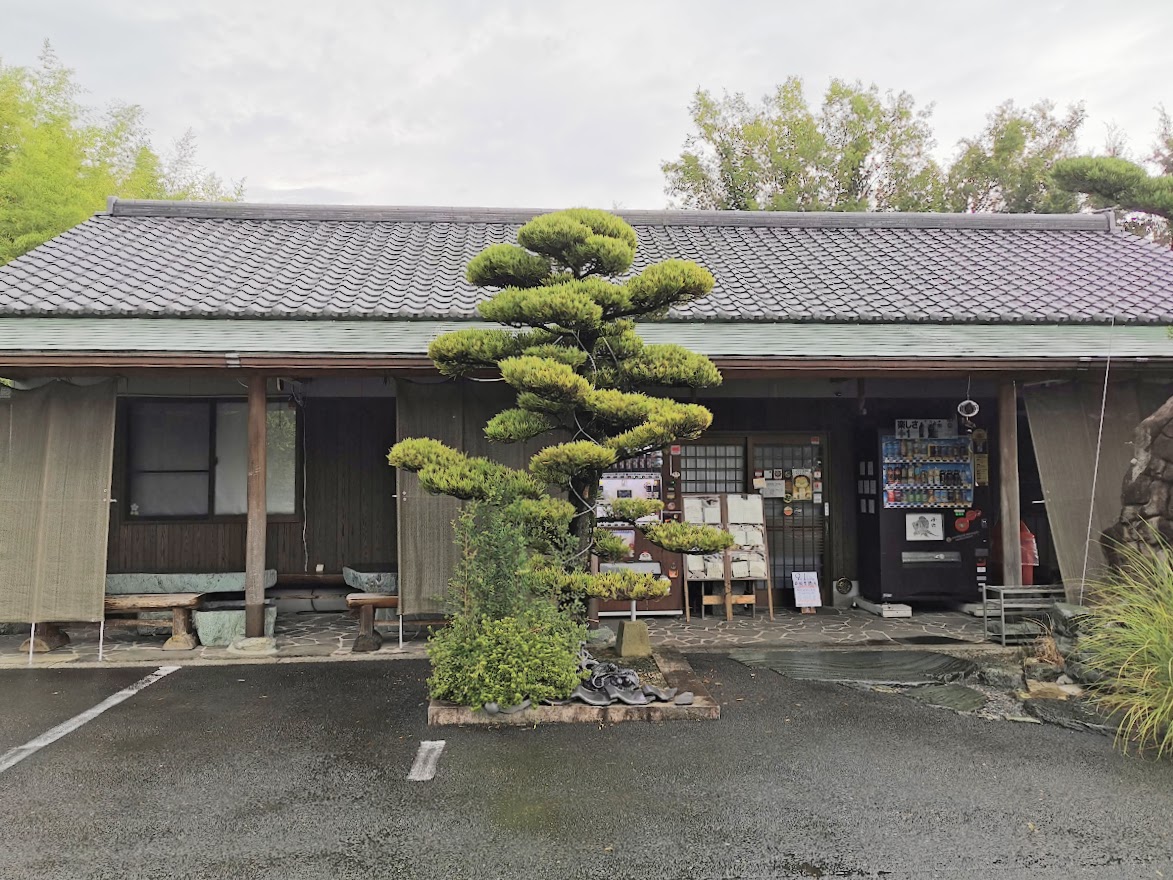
556 103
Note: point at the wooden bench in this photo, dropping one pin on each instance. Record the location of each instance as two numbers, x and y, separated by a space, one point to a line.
50 636
369 638
180 605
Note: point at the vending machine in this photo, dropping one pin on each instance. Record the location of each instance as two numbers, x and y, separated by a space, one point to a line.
933 516
655 475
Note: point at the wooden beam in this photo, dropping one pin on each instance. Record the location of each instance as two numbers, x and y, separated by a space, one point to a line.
1009 497
254 553
419 364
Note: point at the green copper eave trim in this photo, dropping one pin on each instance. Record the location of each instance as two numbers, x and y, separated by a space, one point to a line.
716 339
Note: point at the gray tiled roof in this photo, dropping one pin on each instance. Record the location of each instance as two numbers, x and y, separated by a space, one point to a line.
240 260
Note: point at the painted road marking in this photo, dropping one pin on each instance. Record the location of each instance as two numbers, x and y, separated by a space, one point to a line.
18 754
426 760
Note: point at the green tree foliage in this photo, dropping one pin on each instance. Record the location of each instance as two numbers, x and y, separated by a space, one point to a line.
861 150
1114 181
1007 167
511 636
570 351
59 160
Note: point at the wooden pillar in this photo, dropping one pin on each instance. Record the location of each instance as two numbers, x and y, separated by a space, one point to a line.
254 554
1009 497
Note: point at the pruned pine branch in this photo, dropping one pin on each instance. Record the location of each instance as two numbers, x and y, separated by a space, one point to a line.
578 363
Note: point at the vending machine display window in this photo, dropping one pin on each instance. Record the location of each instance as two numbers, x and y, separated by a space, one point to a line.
931 473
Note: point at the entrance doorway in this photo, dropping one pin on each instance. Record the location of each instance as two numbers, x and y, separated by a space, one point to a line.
796 527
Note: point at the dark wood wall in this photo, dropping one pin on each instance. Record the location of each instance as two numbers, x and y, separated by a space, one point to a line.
349 487
349 499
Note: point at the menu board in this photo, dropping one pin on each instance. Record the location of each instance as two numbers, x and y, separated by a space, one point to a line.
806 589
744 518
742 515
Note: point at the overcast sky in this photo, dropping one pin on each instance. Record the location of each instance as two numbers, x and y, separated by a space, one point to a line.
548 104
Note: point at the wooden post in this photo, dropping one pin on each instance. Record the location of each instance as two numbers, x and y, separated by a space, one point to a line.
727 561
254 555
182 638
1009 498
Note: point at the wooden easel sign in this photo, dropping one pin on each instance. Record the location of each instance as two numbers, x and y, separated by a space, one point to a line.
807 595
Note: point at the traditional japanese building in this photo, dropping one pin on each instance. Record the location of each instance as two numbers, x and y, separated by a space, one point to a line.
163 350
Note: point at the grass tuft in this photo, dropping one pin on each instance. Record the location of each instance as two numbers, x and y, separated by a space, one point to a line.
1129 638
1046 649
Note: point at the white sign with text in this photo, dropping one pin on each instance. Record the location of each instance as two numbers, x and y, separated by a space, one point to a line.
806 589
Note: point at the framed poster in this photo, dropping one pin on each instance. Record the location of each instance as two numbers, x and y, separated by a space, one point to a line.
802 484
924 527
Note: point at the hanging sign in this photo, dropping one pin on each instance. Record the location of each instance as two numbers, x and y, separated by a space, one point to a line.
806 589
925 429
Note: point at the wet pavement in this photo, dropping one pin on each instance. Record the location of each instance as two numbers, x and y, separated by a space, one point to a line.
299 771
862 665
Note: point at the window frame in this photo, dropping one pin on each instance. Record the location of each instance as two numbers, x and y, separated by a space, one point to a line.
128 470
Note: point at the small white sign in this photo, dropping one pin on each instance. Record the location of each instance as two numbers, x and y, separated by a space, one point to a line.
924 527
806 589
774 489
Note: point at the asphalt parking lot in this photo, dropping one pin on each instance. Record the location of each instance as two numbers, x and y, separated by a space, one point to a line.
300 771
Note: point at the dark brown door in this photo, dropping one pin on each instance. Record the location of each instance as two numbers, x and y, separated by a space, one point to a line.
796 528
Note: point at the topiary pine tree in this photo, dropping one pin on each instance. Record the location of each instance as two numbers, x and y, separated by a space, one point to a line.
1116 182
570 350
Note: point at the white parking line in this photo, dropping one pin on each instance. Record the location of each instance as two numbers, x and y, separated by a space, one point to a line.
18 754
426 759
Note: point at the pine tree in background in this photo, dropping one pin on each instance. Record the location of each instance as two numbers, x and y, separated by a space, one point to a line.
1114 181
570 350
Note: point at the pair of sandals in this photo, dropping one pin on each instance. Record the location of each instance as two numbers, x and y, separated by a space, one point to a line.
630 696
610 682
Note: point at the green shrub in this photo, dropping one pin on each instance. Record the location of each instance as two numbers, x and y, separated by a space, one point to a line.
533 655
509 639
1130 640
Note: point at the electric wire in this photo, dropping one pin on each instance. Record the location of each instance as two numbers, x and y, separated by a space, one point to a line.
1091 507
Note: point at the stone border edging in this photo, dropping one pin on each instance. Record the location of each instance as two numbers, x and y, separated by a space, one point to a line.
677 672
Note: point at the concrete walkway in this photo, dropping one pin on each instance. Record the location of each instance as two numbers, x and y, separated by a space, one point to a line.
323 636
300 637
830 627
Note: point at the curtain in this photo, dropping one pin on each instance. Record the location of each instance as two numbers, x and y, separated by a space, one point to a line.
454 413
56 452
1064 424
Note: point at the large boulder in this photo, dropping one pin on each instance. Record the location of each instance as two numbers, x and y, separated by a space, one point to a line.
1146 496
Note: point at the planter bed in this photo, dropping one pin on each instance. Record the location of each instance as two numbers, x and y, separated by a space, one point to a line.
675 669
